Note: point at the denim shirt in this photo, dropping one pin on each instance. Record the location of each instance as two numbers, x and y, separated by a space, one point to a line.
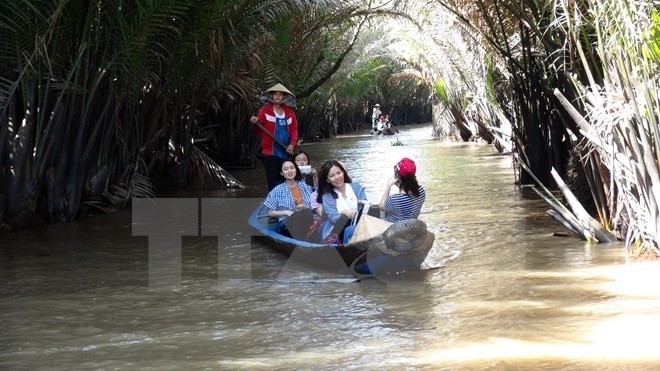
330 212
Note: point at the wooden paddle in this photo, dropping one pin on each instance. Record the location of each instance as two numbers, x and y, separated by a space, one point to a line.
341 222
281 144
391 125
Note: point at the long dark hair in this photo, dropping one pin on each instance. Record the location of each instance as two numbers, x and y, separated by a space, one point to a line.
309 178
298 176
298 153
408 184
324 185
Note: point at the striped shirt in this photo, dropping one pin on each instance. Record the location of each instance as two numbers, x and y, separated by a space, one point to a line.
402 206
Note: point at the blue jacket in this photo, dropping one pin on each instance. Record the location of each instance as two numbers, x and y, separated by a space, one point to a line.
330 213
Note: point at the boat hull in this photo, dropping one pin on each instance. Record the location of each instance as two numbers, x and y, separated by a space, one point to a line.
402 247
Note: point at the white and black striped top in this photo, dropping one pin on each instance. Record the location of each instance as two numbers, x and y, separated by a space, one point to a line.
402 206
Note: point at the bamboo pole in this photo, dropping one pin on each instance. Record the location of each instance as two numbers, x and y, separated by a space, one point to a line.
270 135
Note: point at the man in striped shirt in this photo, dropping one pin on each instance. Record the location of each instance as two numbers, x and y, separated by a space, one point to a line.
407 203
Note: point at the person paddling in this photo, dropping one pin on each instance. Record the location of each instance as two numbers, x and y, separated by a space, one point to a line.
375 114
277 124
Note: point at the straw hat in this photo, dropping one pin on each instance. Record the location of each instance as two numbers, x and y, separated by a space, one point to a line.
279 87
289 98
369 227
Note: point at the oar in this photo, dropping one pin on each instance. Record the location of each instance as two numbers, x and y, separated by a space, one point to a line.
271 135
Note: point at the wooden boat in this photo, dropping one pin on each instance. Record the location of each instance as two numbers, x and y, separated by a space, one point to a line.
401 248
389 131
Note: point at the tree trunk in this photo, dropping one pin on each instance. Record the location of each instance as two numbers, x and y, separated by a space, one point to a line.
20 161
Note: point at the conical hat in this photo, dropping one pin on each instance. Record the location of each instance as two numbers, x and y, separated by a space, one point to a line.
279 87
369 227
289 98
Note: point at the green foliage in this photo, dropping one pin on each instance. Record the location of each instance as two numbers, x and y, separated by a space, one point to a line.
112 97
616 111
442 92
652 49
491 94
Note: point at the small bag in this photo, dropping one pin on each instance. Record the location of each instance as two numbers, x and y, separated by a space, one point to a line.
313 234
333 238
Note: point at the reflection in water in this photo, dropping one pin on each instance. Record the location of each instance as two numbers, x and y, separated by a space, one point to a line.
498 290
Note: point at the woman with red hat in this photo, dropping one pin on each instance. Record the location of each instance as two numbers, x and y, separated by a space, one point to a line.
407 203
278 130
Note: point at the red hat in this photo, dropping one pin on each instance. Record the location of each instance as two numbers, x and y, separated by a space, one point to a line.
406 167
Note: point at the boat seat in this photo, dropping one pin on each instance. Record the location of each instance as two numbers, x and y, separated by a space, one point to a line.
374 211
371 210
299 223
342 222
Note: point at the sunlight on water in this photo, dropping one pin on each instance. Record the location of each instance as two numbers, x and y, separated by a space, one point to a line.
623 327
498 349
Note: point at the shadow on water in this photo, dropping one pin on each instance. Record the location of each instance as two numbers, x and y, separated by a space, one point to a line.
498 290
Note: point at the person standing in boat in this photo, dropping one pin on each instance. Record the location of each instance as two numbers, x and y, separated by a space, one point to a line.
407 203
375 115
280 137
340 198
288 197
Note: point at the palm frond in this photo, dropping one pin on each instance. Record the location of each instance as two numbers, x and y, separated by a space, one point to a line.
208 167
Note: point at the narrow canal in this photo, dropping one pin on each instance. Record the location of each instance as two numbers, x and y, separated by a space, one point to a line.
498 290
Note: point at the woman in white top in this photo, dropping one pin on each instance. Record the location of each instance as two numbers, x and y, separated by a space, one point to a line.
339 196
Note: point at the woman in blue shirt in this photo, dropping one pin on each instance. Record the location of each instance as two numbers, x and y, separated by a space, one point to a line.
339 196
287 197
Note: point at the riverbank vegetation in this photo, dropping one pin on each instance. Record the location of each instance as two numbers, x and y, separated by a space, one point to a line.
105 101
574 87
101 102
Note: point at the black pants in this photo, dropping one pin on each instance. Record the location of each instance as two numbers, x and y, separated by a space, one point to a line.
272 166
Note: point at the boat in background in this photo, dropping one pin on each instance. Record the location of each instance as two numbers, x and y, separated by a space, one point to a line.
389 131
402 247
